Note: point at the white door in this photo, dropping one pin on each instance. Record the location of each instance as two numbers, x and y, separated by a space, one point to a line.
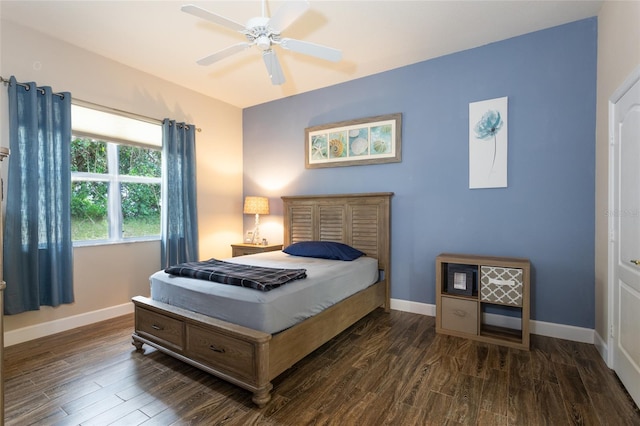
624 222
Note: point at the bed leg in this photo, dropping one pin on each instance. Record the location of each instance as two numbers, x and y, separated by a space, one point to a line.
262 396
137 344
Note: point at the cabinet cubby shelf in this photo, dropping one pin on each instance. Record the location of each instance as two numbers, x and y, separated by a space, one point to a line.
497 281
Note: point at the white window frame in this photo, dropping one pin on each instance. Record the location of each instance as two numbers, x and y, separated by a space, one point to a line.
119 132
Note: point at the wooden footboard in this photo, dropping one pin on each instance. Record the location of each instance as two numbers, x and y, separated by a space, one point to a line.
240 355
237 354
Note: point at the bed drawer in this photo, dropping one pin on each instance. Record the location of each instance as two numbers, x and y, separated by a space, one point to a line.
160 328
460 315
222 352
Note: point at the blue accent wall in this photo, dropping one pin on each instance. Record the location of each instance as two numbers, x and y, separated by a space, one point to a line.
547 212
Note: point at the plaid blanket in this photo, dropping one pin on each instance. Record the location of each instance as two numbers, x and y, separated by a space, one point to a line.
256 277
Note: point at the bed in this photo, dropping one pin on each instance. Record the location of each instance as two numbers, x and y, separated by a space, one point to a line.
252 358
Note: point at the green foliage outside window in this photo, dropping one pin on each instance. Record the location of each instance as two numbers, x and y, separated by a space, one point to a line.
139 202
89 211
135 161
140 209
88 155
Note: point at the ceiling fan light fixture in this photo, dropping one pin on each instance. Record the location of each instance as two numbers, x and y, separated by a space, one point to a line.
263 42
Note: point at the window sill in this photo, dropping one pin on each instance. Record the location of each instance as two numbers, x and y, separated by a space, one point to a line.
93 243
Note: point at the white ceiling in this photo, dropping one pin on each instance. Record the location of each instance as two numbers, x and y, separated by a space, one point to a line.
374 36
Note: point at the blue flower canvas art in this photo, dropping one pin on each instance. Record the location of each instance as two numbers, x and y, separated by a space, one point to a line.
488 127
488 143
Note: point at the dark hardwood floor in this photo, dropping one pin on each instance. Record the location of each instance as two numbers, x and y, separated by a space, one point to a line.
386 369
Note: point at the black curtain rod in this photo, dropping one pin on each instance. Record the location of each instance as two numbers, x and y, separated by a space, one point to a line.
26 86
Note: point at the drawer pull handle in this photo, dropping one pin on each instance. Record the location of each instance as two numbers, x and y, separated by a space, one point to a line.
459 312
216 349
156 327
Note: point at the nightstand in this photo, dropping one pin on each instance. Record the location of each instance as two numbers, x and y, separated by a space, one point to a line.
244 249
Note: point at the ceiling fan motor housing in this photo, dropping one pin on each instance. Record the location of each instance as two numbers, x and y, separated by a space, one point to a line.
258 32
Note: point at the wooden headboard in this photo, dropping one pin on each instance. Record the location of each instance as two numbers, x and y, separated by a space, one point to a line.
362 221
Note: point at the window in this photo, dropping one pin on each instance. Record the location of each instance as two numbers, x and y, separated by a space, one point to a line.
115 178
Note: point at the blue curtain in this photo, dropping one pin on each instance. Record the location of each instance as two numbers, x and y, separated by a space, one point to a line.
179 219
38 257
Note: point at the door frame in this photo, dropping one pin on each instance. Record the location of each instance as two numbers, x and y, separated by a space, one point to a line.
632 79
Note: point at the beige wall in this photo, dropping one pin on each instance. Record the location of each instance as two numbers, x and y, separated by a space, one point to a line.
109 275
618 56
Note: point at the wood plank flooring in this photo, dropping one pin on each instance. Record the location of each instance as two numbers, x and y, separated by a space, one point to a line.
386 369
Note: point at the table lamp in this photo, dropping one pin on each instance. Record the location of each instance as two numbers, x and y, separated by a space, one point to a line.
257 206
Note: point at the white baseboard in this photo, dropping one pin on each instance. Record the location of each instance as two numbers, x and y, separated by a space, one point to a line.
602 347
25 334
413 307
560 331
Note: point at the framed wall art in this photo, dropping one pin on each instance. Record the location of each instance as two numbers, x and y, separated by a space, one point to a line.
488 143
372 140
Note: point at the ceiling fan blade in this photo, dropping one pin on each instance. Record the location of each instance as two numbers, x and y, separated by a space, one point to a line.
215 57
212 17
273 67
317 50
287 14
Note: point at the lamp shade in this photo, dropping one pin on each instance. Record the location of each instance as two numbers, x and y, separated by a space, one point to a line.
256 205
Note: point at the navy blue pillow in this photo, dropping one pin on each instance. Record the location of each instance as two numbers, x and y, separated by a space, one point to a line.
323 250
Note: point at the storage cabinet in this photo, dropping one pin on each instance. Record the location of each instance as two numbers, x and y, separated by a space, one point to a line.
468 286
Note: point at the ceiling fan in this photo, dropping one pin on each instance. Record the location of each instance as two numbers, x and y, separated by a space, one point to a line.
265 33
